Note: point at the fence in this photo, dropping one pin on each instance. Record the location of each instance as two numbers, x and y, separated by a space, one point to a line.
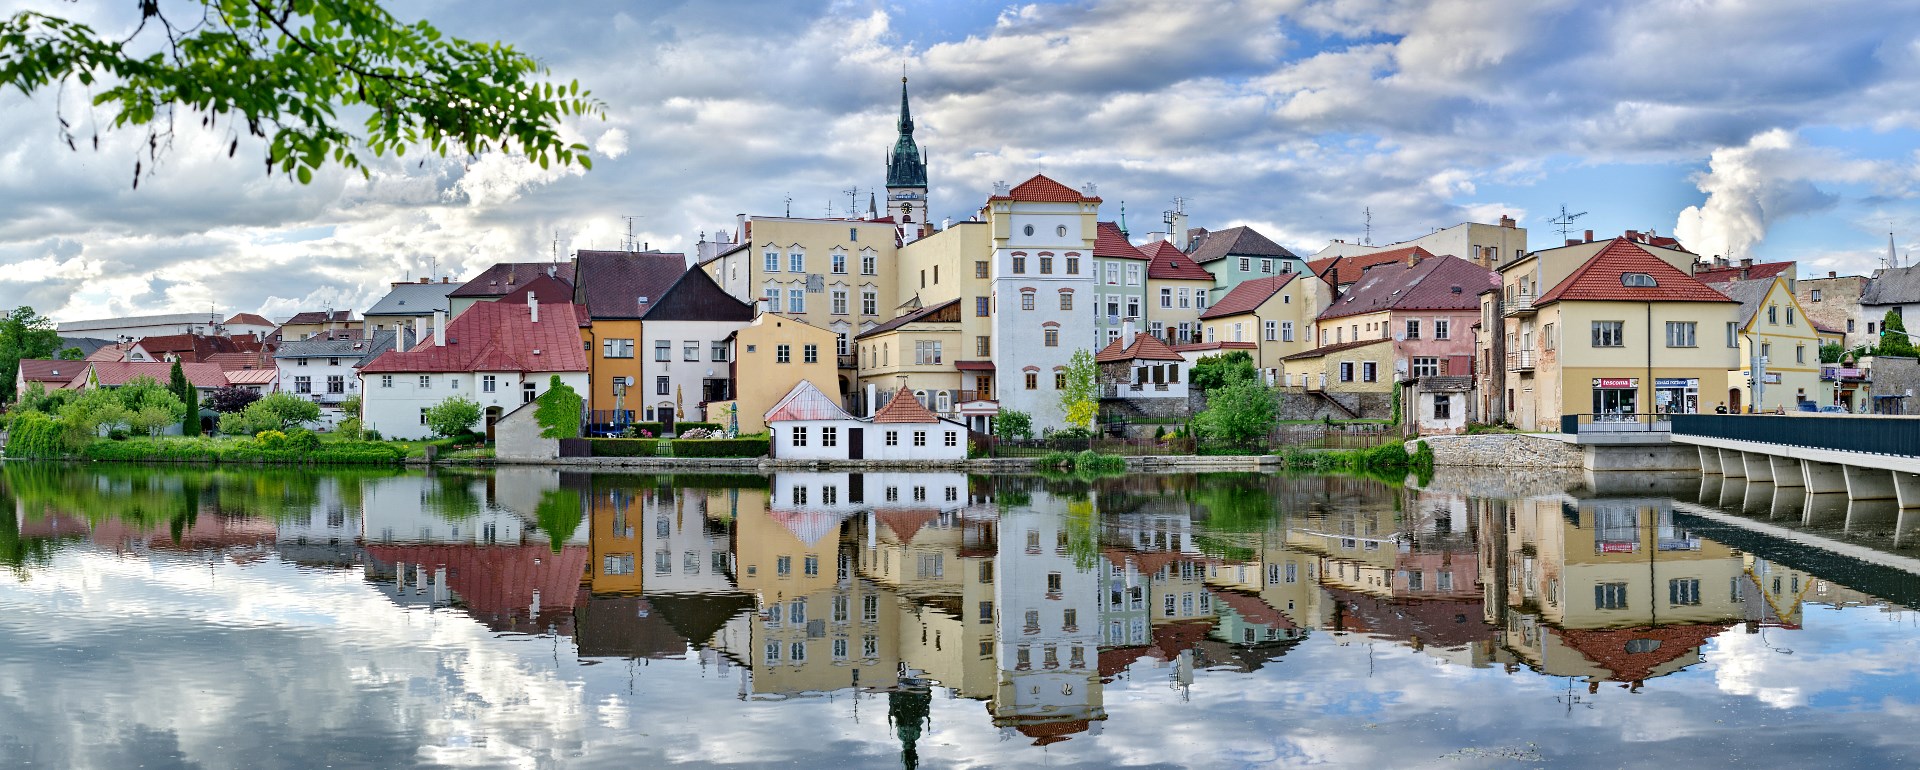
1873 435
1628 422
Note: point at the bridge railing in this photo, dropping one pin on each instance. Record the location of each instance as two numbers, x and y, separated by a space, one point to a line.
1615 423
1872 435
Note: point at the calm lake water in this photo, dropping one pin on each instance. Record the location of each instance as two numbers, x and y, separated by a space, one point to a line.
530 618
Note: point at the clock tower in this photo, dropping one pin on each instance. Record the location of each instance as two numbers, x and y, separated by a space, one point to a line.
907 179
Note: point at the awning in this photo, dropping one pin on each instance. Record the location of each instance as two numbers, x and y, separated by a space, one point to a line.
973 366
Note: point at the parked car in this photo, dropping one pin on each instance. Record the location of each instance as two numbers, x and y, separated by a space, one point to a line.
1833 409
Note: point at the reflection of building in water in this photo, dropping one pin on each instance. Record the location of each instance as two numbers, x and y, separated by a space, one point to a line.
659 539
1048 595
937 556
1612 589
1431 597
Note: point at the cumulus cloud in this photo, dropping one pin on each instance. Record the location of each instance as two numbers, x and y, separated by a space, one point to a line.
1771 177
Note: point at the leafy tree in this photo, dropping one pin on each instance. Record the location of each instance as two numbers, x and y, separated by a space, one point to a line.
287 410
559 411
231 399
287 72
453 417
148 407
71 354
1893 337
83 417
248 422
23 333
1238 413
1080 399
1012 425
37 398
351 406
1213 372
1831 352
560 512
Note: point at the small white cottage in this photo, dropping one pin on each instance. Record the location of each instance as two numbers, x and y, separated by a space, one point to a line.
808 425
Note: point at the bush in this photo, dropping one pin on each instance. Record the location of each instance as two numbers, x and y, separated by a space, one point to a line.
350 429
35 435
722 447
453 417
271 439
248 422
1011 425
212 450
117 434
303 440
1093 462
287 410
624 447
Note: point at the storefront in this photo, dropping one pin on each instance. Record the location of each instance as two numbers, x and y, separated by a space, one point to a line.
1676 395
1615 398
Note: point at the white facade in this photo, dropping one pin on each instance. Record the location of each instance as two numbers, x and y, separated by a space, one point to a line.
327 381
406 509
395 404
681 556
1021 336
695 352
833 440
139 327
1049 634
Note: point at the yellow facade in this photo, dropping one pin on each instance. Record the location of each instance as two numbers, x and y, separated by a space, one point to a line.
1365 368
610 373
762 378
847 275
1565 370
616 566
1354 328
1781 331
1172 302
954 264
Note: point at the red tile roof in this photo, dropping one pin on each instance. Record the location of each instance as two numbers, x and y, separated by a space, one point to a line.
1759 270
39 370
1607 647
1145 347
233 362
1335 348
1439 283
1045 190
1110 242
1340 271
906 523
320 316
117 373
499 583
195 347
1599 279
113 352
492 337
1248 295
1169 262
973 366
904 408
504 277
806 402
250 319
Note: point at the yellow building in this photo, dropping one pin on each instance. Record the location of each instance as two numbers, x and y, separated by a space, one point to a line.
1624 335
1347 367
951 265
770 356
617 288
1775 327
1276 314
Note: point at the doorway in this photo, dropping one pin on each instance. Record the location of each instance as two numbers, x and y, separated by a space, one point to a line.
1733 400
493 416
856 443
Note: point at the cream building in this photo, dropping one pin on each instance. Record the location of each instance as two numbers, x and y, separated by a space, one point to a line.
1778 340
769 357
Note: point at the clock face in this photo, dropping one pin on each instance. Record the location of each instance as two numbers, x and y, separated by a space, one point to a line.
906 207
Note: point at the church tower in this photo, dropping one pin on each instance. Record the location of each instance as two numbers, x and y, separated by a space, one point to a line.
907 179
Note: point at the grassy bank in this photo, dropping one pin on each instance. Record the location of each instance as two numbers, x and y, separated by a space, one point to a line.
241 451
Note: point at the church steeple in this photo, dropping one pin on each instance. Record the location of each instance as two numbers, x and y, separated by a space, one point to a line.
906 168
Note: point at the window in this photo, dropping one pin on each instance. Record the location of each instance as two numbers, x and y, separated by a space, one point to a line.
301 361
810 566
829 437
1286 331
1369 371
1052 337
1133 307
426 381
1059 380
303 384
839 263
1680 334
983 346
1733 334
810 353
1113 273
869 264
1270 330
839 306
1773 315
1815 295
386 380
893 438
1426 366
1413 329
920 439
1019 265
1638 280
336 383
799 439
1346 371
839 649
1266 266
488 383
870 610
663 350
869 302
1200 299
952 440
1683 591
423 415
926 352
1799 354
1133 275
1186 300
1033 381
1609 334
1790 317
772 263
690 350
662 386
1442 329
618 564
1610 596
1766 350
797 262
1046 265
1166 297
1066 300
981 307
1026 300
1442 410
717 351
980 269
1246 265
796 300
783 354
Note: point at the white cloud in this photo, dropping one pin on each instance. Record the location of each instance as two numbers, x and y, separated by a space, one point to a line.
1750 187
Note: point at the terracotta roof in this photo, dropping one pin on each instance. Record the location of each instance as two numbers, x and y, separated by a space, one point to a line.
1439 283
806 402
113 352
1255 610
973 366
1248 295
1340 271
1607 648
909 317
235 362
612 282
115 374
1750 272
1335 348
320 316
195 347
1599 279
1042 189
1108 241
504 277
1145 347
249 319
1823 328
906 523
810 525
40 370
499 583
253 376
695 297
1169 262
552 292
1240 241
1193 347
904 408
492 337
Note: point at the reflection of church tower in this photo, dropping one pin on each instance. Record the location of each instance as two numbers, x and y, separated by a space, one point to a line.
907 178
908 709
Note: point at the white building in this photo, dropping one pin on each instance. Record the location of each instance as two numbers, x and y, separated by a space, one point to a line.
133 328
1042 276
325 368
1489 246
684 334
808 425
1050 624
498 355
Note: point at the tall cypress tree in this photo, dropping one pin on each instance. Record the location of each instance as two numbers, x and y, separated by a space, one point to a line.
177 382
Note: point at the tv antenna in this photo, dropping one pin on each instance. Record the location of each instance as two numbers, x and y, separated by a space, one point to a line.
1565 221
1367 238
631 239
1179 209
789 204
853 200
556 245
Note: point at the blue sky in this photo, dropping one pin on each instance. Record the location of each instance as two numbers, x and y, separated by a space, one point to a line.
1765 128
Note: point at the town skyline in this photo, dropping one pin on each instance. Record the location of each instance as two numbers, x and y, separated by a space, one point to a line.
1295 118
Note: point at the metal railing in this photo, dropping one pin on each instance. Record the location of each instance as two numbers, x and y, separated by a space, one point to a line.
1517 304
848 361
1870 435
1520 360
1616 423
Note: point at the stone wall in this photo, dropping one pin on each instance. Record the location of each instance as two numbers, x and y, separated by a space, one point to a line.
1297 404
1168 408
517 437
1504 450
1895 376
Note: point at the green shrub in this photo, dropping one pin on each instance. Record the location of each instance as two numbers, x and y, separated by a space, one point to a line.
1056 460
36 435
303 439
212 450
453 417
350 429
249 422
1094 462
722 447
1422 456
624 447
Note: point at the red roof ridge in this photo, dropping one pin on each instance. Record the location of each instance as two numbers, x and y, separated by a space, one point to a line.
1041 188
904 408
1145 347
1596 280
1247 295
1170 263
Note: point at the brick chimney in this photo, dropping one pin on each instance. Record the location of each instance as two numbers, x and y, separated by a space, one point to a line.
1832 274
1507 222
1589 236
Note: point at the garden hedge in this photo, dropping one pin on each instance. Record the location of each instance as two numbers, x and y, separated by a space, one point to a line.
722 447
624 447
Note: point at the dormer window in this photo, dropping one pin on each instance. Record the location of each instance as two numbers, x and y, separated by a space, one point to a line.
1638 280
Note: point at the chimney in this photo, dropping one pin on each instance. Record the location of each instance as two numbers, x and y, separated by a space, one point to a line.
1746 262
1507 222
533 306
419 330
440 328
1573 241
1589 236
1719 262
1126 333
424 279
1633 235
1832 274
446 279
1413 258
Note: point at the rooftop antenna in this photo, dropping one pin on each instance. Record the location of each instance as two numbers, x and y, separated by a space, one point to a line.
556 245
1565 221
789 204
631 240
1367 239
433 265
853 200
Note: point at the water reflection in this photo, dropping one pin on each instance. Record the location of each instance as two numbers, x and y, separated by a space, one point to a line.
1056 604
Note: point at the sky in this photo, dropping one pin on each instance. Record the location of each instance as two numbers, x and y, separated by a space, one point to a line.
1771 129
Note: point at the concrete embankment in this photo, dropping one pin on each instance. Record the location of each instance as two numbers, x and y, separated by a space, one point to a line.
1172 464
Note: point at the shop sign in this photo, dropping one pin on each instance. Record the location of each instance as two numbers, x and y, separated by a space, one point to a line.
1677 382
1615 383
1772 378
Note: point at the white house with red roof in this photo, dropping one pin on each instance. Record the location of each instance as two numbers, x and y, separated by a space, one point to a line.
1042 277
808 425
500 355
1141 366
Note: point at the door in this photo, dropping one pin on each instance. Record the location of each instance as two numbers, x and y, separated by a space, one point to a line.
1733 400
856 443
493 416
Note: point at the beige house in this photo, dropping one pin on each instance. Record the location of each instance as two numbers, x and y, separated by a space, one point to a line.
1276 314
1774 326
836 274
1347 367
771 356
1177 294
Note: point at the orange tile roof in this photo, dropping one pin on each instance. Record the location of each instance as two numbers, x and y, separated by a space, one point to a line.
1045 190
113 374
1110 242
1347 270
493 337
904 408
1248 295
1169 262
1599 279
1145 347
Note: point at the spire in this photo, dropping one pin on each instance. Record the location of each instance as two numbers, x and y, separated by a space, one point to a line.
906 167
1893 259
1123 218
906 115
873 205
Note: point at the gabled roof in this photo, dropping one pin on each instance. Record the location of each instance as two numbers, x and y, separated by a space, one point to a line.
1341 271
1438 283
114 352
253 376
906 409
806 402
1749 293
320 316
1040 188
1892 286
612 282
925 313
1239 241
1145 347
414 299
1170 263
496 337
236 362
196 347
503 278
249 319
1750 272
1335 348
695 297
42 370
339 345
87 345
1248 296
118 373
1599 279
1109 242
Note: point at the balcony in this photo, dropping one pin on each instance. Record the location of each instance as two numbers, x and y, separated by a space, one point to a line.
849 361
1522 361
1518 305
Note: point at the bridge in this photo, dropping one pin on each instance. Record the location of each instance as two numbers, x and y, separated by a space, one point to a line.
1864 457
